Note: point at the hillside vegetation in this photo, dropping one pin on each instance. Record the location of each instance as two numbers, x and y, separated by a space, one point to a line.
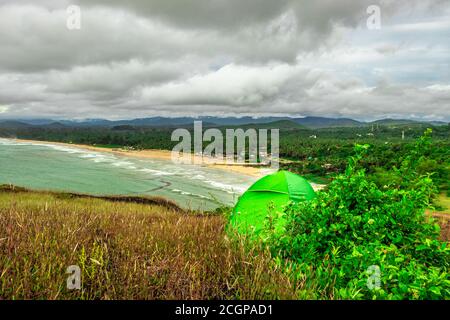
370 216
360 240
126 251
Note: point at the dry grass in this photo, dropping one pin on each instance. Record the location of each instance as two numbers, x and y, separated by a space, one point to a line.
442 215
443 219
444 203
127 251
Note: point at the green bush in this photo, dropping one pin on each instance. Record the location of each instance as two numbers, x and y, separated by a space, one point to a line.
363 241
384 178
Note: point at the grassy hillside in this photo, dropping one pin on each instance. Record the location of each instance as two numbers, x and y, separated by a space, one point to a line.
126 251
142 248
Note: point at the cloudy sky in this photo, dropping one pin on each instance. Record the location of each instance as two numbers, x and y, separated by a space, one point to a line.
225 57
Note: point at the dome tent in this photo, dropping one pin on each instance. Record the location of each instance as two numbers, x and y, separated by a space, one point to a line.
269 193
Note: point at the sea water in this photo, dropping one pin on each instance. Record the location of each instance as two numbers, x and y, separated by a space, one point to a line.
46 166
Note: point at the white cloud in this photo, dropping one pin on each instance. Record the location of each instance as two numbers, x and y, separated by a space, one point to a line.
140 58
231 85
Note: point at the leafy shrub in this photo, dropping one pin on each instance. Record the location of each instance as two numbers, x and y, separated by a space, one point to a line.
356 227
384 178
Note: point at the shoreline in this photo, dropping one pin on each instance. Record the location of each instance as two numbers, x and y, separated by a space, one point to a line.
159 154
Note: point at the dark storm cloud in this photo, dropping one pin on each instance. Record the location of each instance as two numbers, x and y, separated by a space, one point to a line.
138 58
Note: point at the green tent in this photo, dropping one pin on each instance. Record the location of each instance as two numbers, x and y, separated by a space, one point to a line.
270 193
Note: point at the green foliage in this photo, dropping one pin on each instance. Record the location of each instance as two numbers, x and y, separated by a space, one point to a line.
325 156
385 178
356 226
320 152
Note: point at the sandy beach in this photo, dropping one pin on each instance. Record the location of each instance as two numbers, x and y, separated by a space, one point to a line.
164 155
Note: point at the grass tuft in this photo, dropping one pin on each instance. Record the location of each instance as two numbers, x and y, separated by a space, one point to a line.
128 250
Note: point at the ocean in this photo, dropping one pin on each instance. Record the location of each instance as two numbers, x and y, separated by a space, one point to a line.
45 166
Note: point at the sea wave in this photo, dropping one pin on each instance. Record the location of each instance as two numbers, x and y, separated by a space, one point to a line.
67 149
232 189
203 180
191 194
156 172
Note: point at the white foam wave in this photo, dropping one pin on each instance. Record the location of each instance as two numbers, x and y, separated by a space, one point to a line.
156 172
226 187
189 194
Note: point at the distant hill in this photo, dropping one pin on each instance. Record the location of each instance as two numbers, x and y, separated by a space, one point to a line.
438 123
390 122
282 124
405 122
156 122
241 121
209 121
322 122
279 124
55 125
13 124
34 122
